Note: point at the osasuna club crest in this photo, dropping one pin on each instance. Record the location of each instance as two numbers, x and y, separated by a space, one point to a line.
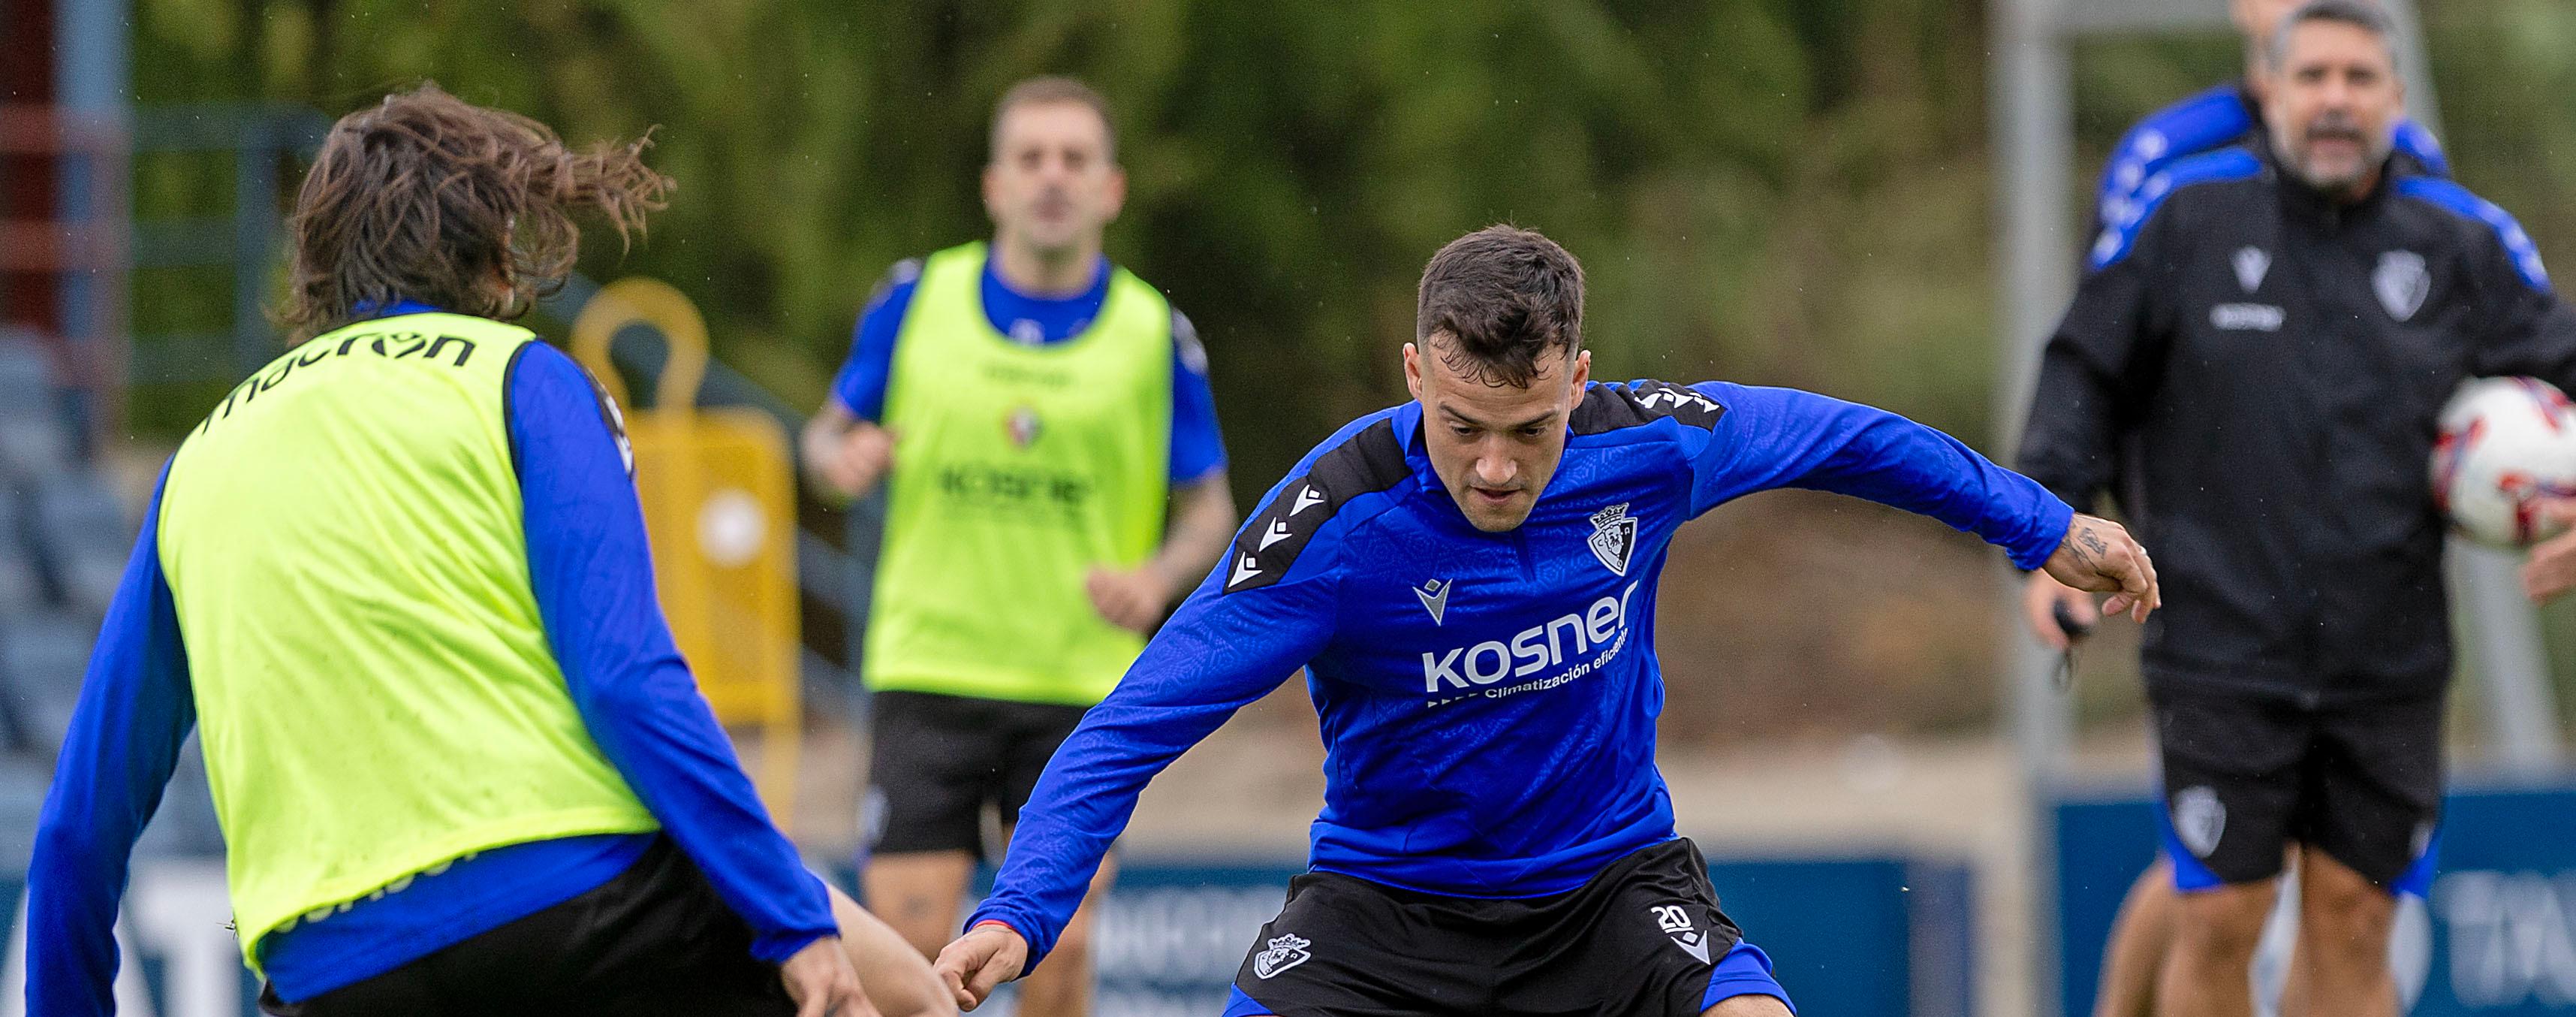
1023 425
1614 537
1285 952
2401 283
2199 819
2251 264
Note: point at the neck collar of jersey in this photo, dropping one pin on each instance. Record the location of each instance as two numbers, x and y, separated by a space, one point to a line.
1407 423
1098 288
1408 427
1038 318
397 307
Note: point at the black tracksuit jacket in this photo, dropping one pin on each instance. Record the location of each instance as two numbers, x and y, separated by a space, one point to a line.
2253 372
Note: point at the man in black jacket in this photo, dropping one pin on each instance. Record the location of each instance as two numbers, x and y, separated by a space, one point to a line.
2253 366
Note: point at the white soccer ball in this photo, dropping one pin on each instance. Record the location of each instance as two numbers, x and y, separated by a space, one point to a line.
2505 444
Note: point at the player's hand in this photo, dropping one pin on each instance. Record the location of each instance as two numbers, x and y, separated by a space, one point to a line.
819 978
2551 569
2099 556
854 462
1132 600
2040 601
980 961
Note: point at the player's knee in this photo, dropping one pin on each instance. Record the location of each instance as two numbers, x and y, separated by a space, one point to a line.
2222 925
2350 923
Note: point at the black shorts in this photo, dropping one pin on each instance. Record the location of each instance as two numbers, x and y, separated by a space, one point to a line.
653 941
937 760
2244 778
1641 939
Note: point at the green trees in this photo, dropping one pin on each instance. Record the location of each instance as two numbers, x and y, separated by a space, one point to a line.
1732 172
1773 190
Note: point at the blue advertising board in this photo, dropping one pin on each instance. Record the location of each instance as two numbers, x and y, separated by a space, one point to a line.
2496 938
1861 935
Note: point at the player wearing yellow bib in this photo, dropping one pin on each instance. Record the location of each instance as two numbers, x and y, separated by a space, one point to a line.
397 581
1035 413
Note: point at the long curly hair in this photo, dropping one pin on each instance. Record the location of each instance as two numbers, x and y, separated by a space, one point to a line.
427 197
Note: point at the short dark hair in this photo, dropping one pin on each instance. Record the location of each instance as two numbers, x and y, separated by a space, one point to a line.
1504 297
2360 14
1048 89
425 196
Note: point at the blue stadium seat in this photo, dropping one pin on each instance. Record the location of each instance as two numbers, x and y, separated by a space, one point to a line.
34 438
64 537
42 656
84 534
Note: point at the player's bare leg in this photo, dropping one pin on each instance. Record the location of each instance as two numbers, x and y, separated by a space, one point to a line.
1062 986
2344 921
1747 1006
898 980
2209 973
918 893
2294 986
2140 938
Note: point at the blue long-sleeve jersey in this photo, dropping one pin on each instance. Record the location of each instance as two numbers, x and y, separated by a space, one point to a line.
593 584
1488 701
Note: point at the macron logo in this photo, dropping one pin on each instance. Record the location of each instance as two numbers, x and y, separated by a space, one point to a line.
1244 568
1435 597
1307 497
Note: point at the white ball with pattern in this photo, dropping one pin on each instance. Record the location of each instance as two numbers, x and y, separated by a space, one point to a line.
2505 445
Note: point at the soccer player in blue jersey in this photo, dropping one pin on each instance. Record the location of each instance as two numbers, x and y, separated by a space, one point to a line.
2218 117
1469 580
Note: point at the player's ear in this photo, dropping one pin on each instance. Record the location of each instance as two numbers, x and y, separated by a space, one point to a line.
1413 371
1117 193
1582 371
992 183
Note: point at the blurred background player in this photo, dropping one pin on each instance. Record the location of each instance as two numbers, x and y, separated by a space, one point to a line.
2256 360
398 581
2221 116
1035 413
1495 836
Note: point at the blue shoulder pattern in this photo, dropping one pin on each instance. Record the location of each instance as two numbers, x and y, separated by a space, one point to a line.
2203 121
2460 201
2222 165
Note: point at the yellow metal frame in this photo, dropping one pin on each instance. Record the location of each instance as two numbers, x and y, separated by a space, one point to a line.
734 621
